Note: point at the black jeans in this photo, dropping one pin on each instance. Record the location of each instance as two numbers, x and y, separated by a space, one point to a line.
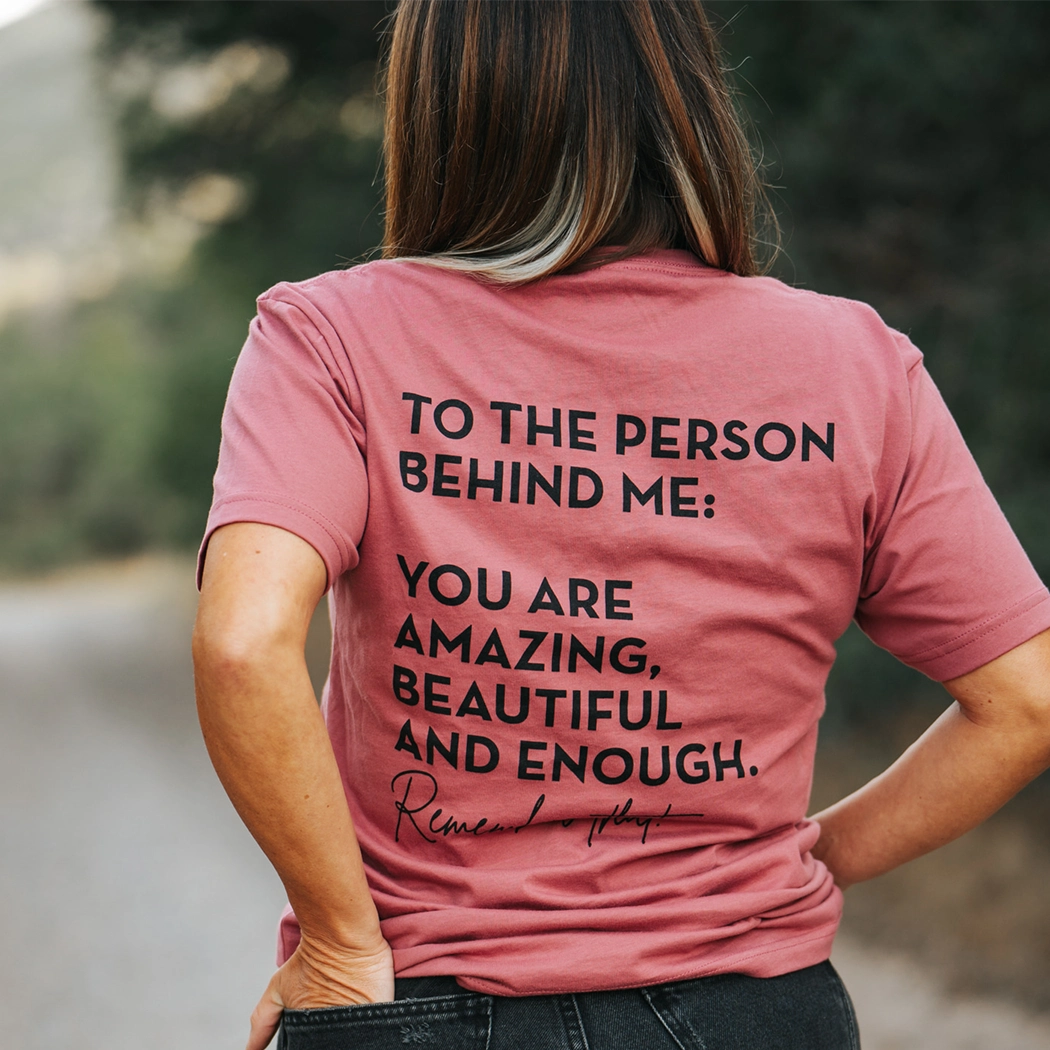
805 1010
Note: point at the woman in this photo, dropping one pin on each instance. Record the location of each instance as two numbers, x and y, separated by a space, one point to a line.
592 503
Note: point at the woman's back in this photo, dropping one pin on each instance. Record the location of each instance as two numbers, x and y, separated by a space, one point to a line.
604 530
592 512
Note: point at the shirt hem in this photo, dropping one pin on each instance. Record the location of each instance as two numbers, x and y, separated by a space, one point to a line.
987 640
302 521
825 936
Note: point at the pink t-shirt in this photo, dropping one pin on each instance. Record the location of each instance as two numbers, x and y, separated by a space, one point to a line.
590 543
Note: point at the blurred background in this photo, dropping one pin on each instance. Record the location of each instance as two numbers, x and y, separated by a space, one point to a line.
161 164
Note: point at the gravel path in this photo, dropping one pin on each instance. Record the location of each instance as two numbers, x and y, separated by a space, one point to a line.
137 911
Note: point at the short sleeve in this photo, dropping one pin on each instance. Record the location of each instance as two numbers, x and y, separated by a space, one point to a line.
946 585
293 438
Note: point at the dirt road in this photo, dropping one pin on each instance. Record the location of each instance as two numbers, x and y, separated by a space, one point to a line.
137 912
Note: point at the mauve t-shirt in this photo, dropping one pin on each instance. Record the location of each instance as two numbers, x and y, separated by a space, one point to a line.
590 543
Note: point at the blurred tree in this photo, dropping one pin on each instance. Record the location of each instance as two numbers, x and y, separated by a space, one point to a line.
259 122
277 95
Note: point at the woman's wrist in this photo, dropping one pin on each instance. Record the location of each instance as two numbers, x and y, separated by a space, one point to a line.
356 933
827 849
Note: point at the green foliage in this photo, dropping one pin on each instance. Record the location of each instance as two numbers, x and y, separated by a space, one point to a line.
77 419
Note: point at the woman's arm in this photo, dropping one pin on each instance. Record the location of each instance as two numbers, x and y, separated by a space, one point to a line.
991 742
270 747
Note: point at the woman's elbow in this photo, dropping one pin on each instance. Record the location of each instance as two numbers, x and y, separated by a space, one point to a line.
1011 692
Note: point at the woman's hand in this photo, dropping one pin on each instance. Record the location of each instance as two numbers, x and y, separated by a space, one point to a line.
318 975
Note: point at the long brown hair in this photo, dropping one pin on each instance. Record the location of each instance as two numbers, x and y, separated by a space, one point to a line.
523 134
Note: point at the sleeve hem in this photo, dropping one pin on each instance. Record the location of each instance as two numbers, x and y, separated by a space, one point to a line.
337 554
987 641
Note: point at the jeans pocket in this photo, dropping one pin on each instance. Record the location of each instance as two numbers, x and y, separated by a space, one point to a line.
447 1022
805 1010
